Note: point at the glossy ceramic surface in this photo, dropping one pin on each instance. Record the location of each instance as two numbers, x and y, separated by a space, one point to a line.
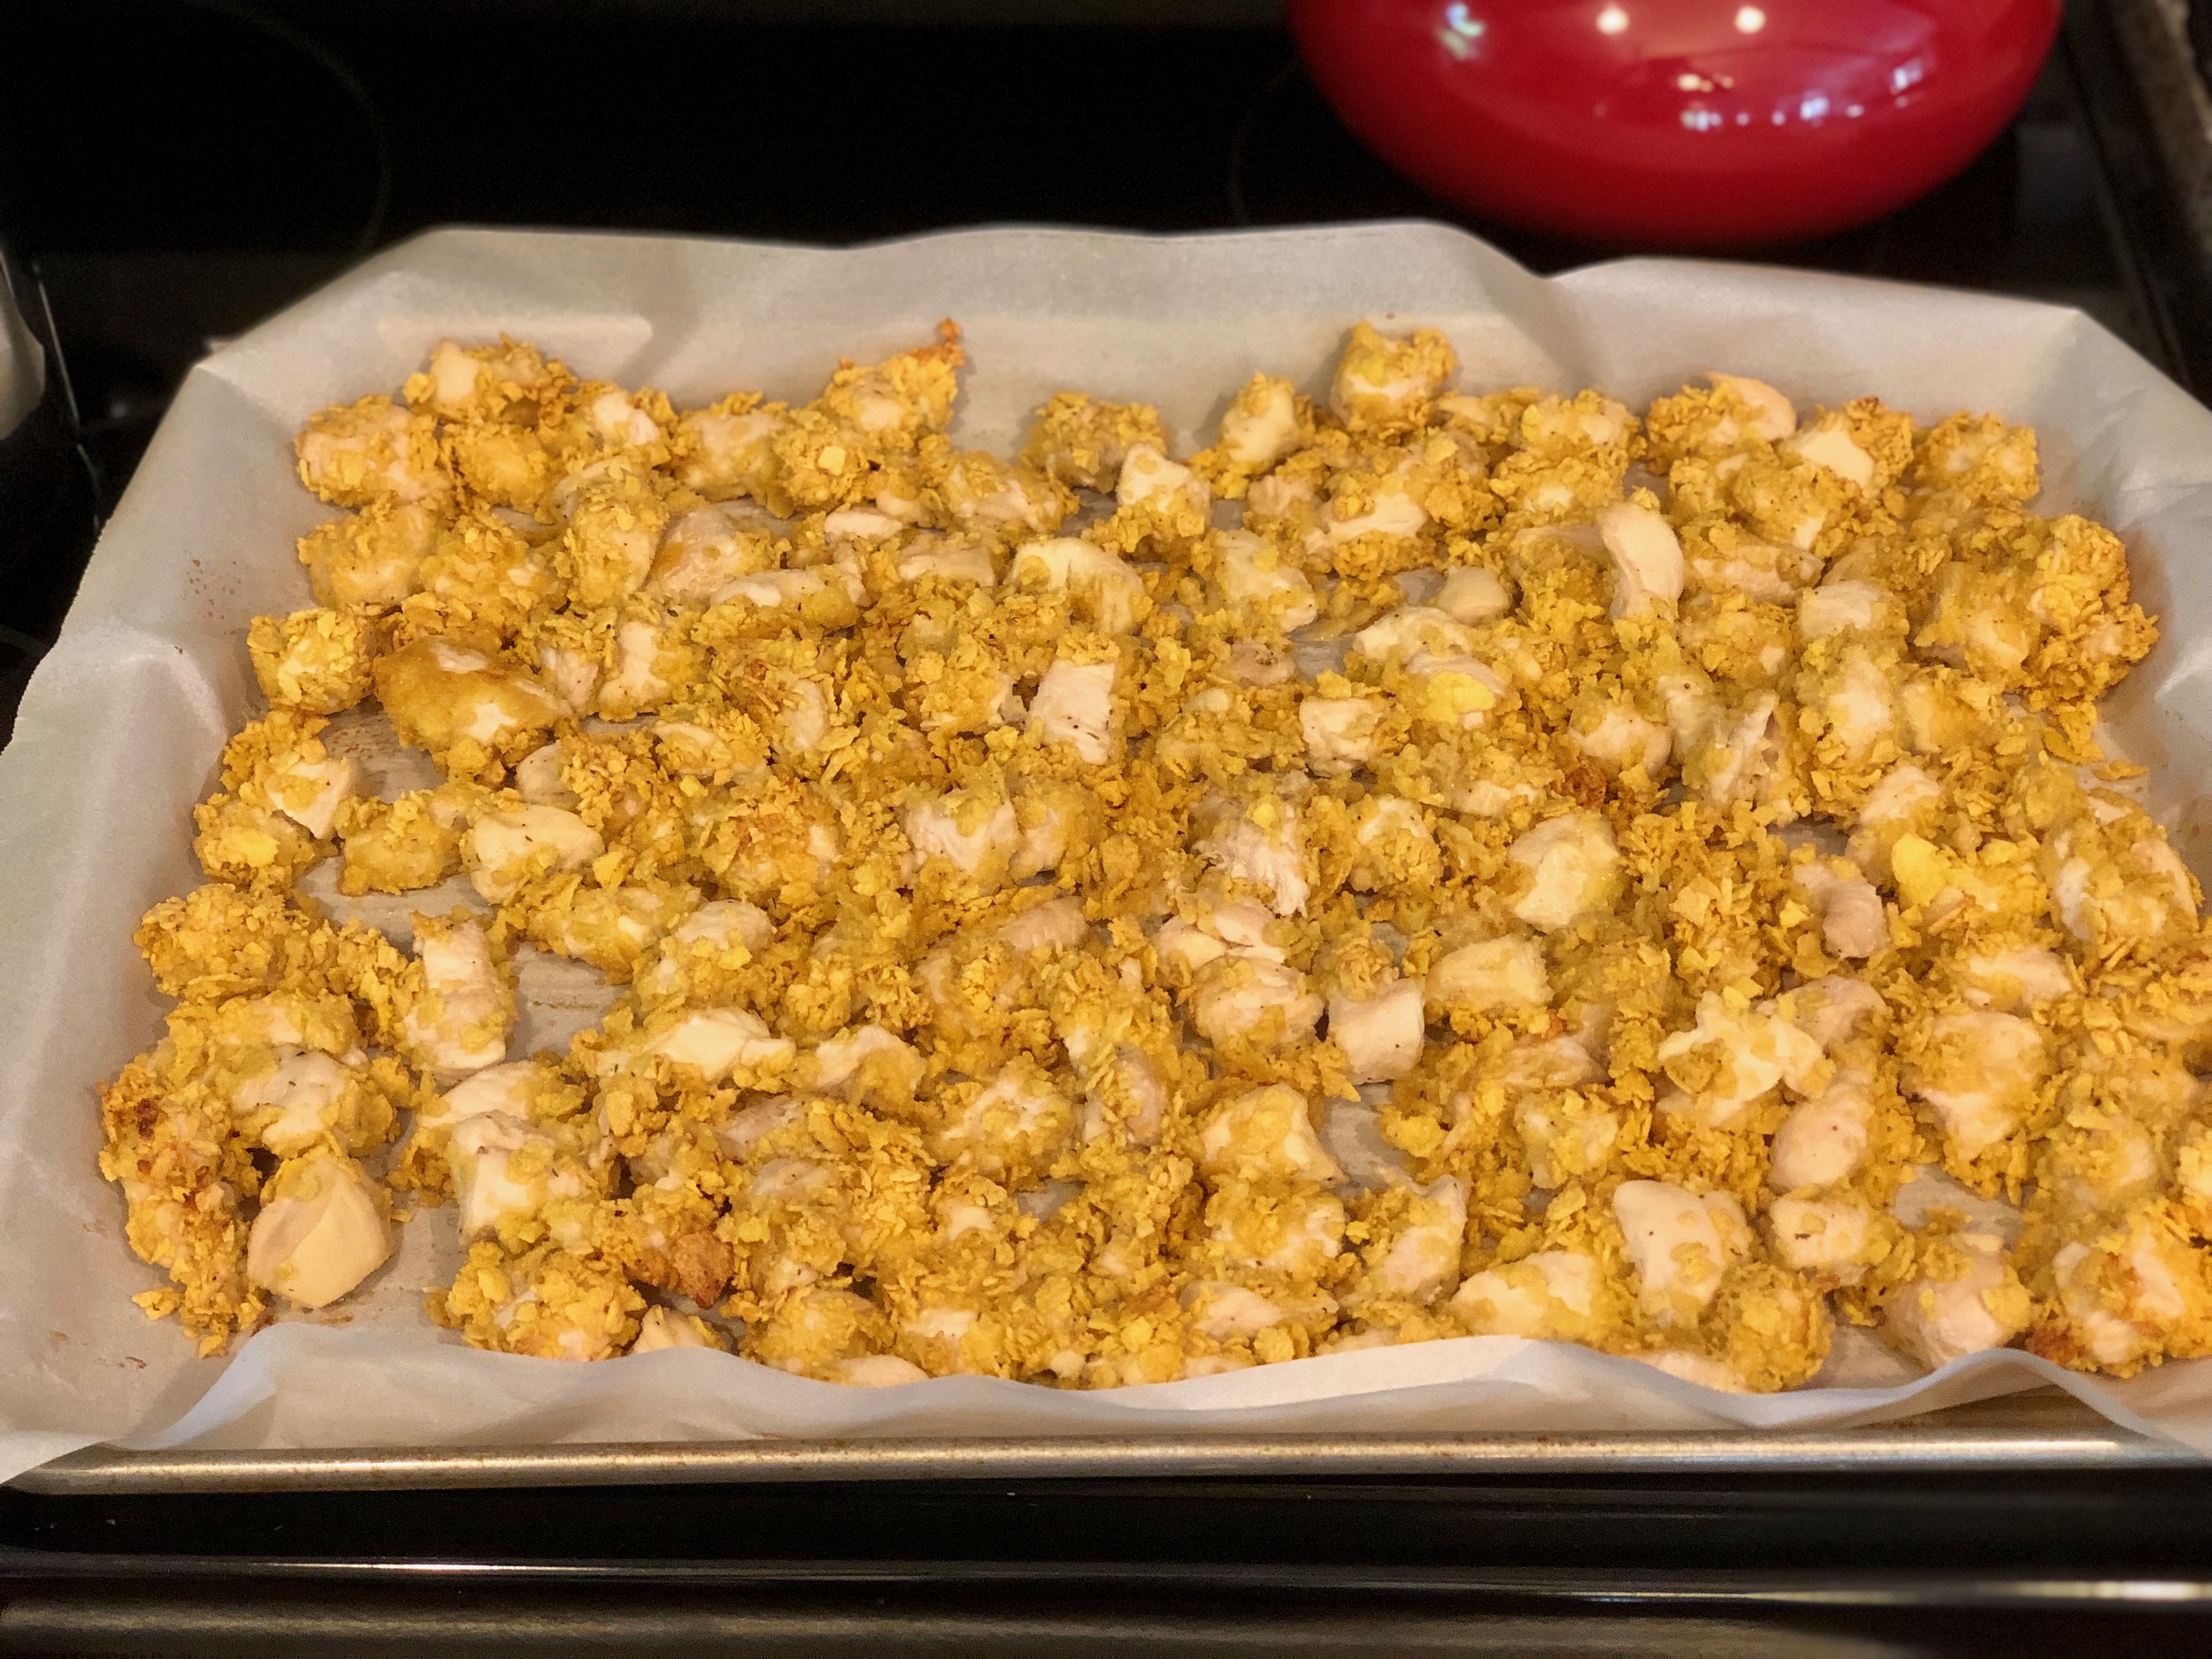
1677 123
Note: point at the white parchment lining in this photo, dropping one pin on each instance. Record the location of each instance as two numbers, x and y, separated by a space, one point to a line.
121 725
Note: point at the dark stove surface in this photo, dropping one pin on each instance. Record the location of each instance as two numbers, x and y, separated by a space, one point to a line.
172 171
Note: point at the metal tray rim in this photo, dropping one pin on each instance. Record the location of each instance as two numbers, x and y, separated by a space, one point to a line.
108 1471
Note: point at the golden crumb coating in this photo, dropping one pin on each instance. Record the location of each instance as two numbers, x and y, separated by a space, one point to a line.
1432 862
316 660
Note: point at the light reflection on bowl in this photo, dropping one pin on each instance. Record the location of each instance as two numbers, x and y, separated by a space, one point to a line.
1677 122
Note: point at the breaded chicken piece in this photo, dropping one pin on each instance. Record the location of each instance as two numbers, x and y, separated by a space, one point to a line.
1548 870
728 449
548 1302
403 845
354 454
470 708
1383 384
459 1003
1265 421
481 584
316 660
1083 442
185 1180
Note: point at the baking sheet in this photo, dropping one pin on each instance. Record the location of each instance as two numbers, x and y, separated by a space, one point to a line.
120 727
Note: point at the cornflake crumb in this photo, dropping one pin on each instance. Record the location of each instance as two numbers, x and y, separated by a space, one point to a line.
1431 862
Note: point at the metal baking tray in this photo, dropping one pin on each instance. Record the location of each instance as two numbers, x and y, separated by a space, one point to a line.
2046 1429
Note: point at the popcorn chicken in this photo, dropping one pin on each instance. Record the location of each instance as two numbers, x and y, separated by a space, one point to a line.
1552 1294
1263 423
510 846
321 1230
463 1010
1381 1035
728 449
1966 1300
1262 589
1979 1073
1074 705
1384 385
1025 947
703 552
1162 506
1679 1245
1109 595
317 661
400 846
352 455
467 706
613 537
1647 559
1083 443
1572 864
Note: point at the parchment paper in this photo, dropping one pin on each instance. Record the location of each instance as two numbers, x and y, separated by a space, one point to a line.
121 725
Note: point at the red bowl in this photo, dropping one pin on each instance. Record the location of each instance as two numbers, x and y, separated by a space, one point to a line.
1677 122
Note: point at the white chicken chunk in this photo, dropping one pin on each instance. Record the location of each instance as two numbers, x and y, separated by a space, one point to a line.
1108 593
1829 445
1074 704
537 779
703 552
1574 870
1472 594
866 1063
1771 415
1679 1245
1264 844
1565 1134
1853 923
1423 1262
1261 425
1978 1074
507 1087
1380 1035
2012 979
1411 630
1260 584
1243 997
658 1328
1838 607
977 835
1268 1133
1490 977
1732 1057
503 1172
1981 1304
874 1371
1146 473
319 1232
1339 732
2120 1331
1832 1009
1824 1235
1549 1295
1622 737
310 792
716 1041
1824 1140
517 844
306 1095
441 694
1647 558
462 1022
